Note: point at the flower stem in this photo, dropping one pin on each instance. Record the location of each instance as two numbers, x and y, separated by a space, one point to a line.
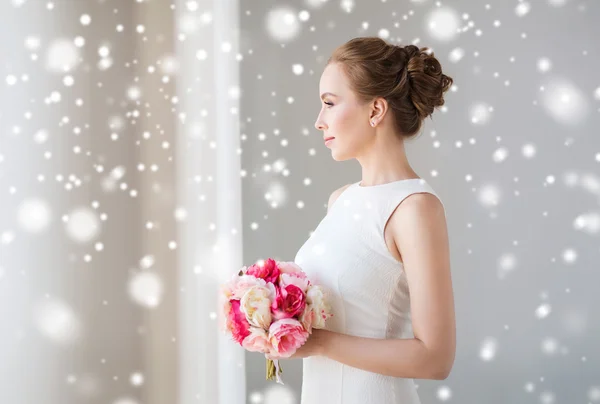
271 369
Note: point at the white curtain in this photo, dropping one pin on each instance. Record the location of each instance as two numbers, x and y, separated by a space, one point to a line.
69 140
211 367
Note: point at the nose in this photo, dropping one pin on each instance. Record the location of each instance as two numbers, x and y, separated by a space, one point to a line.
319 123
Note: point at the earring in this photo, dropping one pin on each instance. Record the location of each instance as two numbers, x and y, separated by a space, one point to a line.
372 123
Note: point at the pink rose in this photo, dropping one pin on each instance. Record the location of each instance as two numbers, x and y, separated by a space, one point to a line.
267 271
286 336
257 341
236 322
307 318
292 274
290 267
289 302
294 279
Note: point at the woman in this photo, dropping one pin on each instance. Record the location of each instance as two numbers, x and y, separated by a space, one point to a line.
385 264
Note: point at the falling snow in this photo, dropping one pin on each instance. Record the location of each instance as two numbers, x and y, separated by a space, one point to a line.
100 115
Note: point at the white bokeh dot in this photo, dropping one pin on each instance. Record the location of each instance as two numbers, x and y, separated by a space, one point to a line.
146 289
282 24
298 69
444 393
82 225
33 215
136 379
443 23
85 19
487 351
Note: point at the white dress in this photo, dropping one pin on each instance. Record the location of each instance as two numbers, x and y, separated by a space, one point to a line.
367 289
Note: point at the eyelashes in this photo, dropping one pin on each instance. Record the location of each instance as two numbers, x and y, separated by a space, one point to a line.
328 103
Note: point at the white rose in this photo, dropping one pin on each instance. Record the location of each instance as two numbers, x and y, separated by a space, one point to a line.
256 305
316 298
238 285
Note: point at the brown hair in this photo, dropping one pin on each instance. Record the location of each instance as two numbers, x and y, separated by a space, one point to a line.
410 79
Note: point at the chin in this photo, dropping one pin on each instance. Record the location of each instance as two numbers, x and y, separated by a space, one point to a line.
340 156
339 153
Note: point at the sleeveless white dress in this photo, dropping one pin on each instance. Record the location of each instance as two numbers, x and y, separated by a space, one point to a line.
367 289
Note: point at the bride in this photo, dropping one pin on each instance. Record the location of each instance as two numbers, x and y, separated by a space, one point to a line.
382 249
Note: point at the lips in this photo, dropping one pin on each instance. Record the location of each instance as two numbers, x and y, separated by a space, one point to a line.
328 138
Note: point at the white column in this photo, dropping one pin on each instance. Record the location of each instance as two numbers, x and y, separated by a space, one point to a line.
212 367
68 329
155 50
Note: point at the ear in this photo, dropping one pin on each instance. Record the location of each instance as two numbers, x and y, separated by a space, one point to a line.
379 106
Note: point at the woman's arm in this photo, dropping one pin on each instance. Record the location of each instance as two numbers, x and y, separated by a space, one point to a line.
419 229
407 358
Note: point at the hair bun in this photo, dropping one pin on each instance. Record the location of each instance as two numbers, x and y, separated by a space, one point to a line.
409 78
427 82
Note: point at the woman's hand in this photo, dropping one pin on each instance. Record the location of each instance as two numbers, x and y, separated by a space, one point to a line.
314 345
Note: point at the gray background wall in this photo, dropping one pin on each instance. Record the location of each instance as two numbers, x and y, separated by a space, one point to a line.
514 154
78 321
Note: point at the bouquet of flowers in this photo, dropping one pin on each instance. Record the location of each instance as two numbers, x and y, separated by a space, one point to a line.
272 307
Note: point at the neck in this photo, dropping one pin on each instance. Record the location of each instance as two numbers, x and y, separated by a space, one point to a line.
384 160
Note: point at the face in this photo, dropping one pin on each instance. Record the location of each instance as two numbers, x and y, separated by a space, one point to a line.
342 115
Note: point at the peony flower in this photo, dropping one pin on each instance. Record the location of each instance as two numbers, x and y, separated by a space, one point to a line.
307 318
292 274
290 267
257 341
272 308
237 323
294 279
286 336
289 302
224 310
267 271
238 285
256 305
315 298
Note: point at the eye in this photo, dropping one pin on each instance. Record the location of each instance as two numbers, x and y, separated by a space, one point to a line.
329 103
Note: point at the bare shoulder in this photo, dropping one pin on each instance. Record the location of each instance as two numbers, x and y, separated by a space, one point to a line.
421 209
421 236
423 200
334 195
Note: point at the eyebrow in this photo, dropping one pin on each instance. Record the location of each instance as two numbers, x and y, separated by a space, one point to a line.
324 94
